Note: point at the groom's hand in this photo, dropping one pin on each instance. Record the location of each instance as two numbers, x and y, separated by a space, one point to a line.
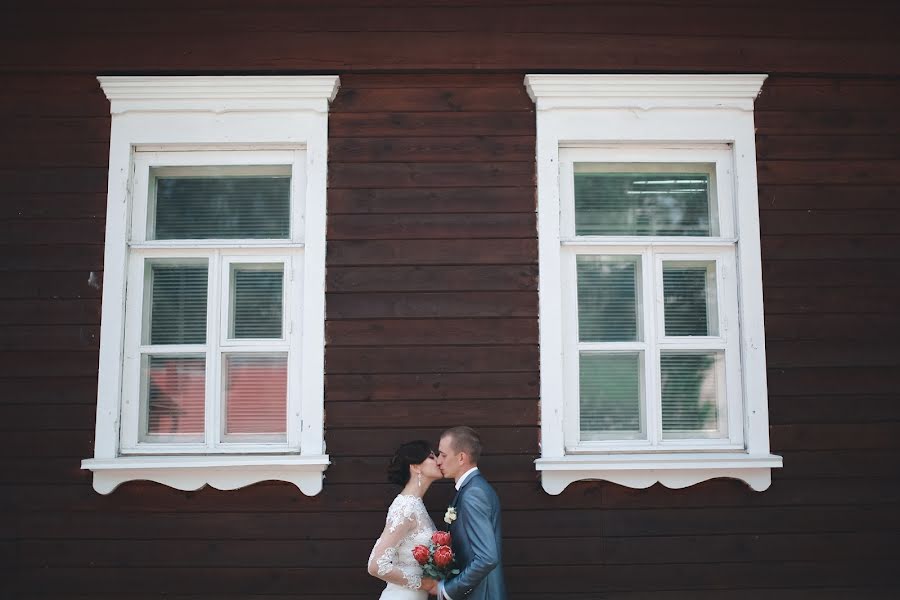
430 585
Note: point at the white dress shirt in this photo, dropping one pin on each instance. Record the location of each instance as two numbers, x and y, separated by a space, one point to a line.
465 476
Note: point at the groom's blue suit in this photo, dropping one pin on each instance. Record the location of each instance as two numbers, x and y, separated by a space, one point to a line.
477 543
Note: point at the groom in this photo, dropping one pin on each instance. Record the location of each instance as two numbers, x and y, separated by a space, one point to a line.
474 518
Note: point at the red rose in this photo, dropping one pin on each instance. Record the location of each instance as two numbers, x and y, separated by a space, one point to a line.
441 538
420 553
443 556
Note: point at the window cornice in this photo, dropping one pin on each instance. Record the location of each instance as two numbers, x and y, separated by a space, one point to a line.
219 94
644 91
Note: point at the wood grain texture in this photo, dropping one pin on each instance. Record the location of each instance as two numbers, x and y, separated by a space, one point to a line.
431 297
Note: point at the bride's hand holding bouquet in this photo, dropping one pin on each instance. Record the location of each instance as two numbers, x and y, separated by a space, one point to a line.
437 557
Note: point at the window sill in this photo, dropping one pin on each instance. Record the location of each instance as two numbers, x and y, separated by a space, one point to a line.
221 472
674 470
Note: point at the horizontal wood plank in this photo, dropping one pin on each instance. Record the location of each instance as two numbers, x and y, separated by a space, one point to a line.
31 205
49 390
462 199
426 359
802 354
479 148
390 305
57 285
817 326
818 221
59 311
813 122
84 258
22 232
438 252
433 226
835 272
403 124
845 171
833 408
429 386
484 95
851 301
425 332
822 197
42 337
399 175
827 147
830 247
848 380
431 278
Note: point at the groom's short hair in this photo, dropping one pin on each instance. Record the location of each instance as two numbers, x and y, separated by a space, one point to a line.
465 439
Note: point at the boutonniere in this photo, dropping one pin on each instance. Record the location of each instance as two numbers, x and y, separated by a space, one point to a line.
450 515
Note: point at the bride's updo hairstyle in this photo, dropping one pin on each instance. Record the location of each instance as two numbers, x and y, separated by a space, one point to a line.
410 453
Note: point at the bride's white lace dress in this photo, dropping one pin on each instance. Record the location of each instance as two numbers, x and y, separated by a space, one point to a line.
408 525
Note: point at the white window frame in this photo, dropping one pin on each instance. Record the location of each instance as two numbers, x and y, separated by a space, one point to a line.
197 121
651 119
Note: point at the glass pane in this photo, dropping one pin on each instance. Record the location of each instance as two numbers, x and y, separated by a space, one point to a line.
608 298
689 289
610 390
690 392
255 396
176 310
256 301
642 202
173 397
221 203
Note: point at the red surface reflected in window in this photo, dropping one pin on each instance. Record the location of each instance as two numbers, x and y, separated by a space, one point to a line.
176 395
256 393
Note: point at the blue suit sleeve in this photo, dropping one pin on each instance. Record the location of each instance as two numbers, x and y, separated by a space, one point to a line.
475 519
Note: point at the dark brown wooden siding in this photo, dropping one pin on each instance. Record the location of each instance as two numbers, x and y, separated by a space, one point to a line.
432 298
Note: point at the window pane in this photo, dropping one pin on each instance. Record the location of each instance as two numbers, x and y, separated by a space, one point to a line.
173 396
255 396
256 301
177 303
690 392
610 389
221 203
642 202
689 288
608 298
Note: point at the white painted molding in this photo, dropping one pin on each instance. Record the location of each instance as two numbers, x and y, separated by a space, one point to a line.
625 115
245 115
220 472
219 94
644 91
674 471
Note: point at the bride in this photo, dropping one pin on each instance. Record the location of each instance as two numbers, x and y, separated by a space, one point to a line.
407 525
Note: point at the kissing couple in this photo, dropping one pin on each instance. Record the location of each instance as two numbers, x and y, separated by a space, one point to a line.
473 518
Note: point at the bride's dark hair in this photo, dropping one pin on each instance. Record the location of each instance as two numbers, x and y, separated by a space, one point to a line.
410 453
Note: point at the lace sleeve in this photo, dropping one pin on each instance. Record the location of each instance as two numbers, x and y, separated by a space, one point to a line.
383 561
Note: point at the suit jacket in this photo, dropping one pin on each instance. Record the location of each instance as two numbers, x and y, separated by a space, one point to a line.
477 543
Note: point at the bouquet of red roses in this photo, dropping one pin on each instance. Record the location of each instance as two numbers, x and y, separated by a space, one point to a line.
437 557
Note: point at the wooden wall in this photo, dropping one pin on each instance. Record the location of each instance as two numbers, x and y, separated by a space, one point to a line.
432 298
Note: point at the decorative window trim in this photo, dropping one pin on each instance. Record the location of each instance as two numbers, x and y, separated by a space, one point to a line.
661 112
232 114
